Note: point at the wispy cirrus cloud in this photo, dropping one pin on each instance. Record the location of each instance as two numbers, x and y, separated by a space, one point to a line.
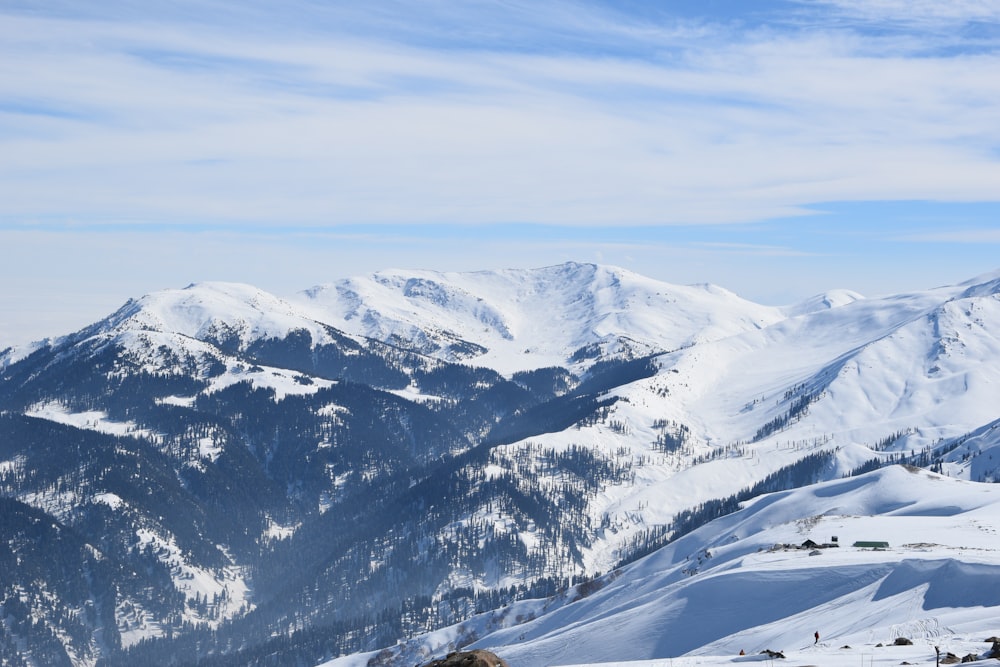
959 236
916 12
758 249
618 119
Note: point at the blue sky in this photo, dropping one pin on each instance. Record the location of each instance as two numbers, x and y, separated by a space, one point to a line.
777 148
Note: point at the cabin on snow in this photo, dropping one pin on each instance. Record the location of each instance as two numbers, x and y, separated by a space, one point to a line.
810 544
871 545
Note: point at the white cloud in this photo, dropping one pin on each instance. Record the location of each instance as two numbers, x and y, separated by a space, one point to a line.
146 122
917 11
962 236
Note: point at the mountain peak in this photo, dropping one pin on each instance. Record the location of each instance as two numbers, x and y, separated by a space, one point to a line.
985 285
190 310
824 301
520 319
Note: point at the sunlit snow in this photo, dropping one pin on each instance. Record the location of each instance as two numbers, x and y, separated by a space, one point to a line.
750 582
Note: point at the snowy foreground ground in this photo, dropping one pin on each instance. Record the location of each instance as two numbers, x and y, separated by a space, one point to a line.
822 655
744 582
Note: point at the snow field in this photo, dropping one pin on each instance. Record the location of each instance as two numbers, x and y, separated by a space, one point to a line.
742 583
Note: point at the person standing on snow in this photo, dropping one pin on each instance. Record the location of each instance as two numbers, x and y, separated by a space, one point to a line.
816 635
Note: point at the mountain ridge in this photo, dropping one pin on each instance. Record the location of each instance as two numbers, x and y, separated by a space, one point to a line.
575 305
503 435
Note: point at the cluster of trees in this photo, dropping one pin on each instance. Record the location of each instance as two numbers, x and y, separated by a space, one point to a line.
672 436
799 406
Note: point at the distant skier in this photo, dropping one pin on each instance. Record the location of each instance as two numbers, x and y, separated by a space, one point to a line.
816 635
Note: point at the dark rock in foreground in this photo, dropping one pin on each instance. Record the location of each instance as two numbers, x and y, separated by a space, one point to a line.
476 658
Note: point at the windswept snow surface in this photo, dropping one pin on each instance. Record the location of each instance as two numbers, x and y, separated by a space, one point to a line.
195 329
927 361
743 582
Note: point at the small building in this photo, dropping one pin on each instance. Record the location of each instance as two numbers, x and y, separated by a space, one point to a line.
871 545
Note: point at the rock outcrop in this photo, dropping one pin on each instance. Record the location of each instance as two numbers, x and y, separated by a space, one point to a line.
476 658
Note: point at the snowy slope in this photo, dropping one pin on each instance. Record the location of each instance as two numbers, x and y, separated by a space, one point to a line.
926 362
506 320
742 582
229 313
197 332
873 377
516 320
825 301
943 560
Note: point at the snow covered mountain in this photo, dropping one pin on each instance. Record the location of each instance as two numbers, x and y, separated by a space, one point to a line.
743 389
417 447
522 320
770 575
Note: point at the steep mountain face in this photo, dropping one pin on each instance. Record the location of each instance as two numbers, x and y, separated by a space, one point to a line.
376 458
